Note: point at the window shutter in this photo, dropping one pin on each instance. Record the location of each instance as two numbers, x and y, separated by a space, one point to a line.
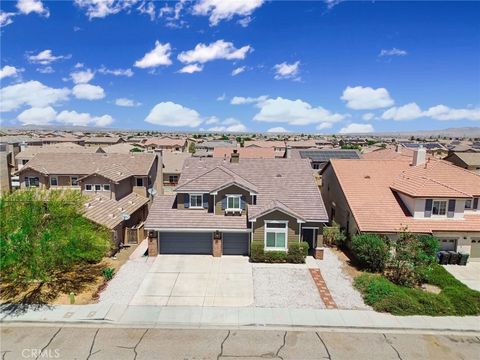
451 208
186 198
224 203
205 201
475 203
428 207
242 202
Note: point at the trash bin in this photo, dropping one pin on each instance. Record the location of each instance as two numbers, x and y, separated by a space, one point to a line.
463 259
453 258
444 257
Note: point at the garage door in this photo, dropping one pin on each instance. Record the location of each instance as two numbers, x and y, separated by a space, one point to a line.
235 243
447 244
185 243
475 250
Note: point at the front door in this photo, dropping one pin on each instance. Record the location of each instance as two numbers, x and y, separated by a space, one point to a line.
308 235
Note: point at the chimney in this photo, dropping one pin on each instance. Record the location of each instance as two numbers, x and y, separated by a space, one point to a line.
235 157
419 156
398 148
288 152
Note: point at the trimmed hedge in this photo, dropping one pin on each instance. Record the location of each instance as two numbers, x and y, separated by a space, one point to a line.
296 254
371 251
454 299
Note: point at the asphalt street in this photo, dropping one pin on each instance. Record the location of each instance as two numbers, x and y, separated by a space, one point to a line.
93 343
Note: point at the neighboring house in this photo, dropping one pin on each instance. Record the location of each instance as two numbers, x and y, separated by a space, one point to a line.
425 196
205 149
221 207
319 157
102 140
30 152
111 181
166 144
278 146
302 144
172 166
61 139
122 148
466 160
245 153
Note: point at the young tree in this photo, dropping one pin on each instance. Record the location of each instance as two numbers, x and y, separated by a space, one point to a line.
191 148
44 232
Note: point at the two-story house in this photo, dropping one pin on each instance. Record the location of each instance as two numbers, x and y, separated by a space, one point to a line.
116 184
166 144
391 191
221 206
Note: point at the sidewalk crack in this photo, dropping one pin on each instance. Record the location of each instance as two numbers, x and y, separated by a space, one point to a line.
324 345
389 342
92 345
221 345
138 343
49 342
281 346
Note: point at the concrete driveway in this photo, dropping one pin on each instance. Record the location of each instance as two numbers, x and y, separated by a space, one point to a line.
197 280
469 274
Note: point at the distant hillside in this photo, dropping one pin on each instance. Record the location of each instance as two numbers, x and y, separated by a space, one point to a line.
470 132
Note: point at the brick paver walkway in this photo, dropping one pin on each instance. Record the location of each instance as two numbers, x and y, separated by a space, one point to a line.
323 289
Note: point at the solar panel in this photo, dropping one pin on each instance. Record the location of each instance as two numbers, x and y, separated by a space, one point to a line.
326 155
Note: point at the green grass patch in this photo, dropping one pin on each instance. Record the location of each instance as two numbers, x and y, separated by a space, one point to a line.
455 298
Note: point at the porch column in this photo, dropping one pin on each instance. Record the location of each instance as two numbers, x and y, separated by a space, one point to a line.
152 243
217 244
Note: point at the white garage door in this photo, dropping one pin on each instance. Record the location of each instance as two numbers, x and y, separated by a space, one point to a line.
475 250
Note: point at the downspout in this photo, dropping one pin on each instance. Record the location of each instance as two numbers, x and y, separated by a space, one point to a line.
299 232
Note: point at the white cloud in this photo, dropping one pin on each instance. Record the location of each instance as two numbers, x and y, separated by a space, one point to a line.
445 113
32 93
287 71
172 14
240 100
323 126
36 6
238 70
406 112
277 129
82 77
368 116
231 125
190 69
103 8
147 8
45 57
220 49
357 129
83 119
366 98
37 116
6 18
219 10
221 97
116 72
78 65
160 55
173 115
294 112
8 71
392 52
126 102
212 120
46 70
88 92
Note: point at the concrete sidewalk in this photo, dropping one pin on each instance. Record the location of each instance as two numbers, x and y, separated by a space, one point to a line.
237 317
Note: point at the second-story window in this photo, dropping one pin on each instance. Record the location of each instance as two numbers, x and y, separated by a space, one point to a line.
106 187
98 187
468 204
439 208
234 202
196 201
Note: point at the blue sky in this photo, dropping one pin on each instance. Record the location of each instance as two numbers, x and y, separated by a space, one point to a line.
248 65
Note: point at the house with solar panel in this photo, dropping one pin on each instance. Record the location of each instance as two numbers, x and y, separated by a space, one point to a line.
320 157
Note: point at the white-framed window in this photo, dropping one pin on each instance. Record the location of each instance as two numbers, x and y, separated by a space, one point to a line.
234 202
88 187
98 187
439 208
316 166
53 181
106 187
138 181
276 235
32 181
173 179
468 204
196 201
74 180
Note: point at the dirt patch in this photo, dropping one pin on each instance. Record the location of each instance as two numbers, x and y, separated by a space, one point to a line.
83 280
431 288
349 266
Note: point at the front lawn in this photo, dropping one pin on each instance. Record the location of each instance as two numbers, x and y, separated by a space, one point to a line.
455 298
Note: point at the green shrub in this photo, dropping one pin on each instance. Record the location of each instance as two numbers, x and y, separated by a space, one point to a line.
371 251
108 273
334 235
275 256
297 252
257 254
430 246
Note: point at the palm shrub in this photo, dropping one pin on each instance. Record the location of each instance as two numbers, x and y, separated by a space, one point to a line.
371 251
44 232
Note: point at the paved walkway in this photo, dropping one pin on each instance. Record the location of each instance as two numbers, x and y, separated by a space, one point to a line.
469 274
322 289
236 317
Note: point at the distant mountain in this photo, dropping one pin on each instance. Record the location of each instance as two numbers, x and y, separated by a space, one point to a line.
470 132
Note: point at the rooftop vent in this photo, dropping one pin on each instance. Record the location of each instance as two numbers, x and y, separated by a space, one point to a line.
367 177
